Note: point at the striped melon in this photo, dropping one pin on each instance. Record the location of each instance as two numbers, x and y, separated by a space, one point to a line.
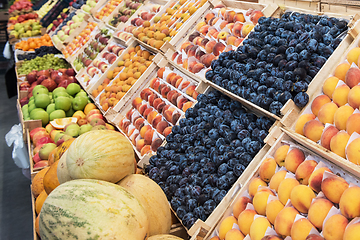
153 199
164 237
104 155
61 149
62 171
92 209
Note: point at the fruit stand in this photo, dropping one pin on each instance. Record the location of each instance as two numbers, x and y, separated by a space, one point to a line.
190 119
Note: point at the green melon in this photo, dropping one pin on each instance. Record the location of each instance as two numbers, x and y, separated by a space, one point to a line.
92 209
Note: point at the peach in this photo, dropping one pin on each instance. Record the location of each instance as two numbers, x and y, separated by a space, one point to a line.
313 130
271 237
245 220
340 95
144 129
255 15
316 177
329 86
353 55
258 228
187 105
175 117
215 238
284 221
293 159
272 210
156 120
240 205
142 108
156 102
301 229
352 231
234 234
352 151
207 59
304 171
237 29
199 25
147 112
280 155
341 70
208 17
277 179
196 68
350 202
318 102
136 102
155 144
301 197
139 144
218 48
167 131
139 123
327 112
352 77
341 116
260 201
210 46
267 169
285 188
146 149
327 135
151 116
314 237
334 227
304 118
338 143
148 136
152 98
254 185
352 124
318 211
239 17
226 225
161 126
354 97
246 29
333 187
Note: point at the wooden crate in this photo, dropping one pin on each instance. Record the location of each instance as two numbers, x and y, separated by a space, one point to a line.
182 31
279 139
26 124
124 106
313 5
289 120
99 5
346 7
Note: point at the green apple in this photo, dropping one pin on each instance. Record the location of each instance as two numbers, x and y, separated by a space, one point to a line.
58 89
50 95
41 115
81 93
73 89
60 94
45 150
70 113
99 127
63 103
42 101
34 111
58 136
38 89
73 130
31 98
85 128
25 109
32 101
31 107
50 108
79 103
57 114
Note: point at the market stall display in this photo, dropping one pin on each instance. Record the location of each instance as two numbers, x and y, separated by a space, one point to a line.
214 120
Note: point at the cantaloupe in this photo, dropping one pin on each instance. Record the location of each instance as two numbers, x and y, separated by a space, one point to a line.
164 237
50 179
52 154
104 155
62 171
153 199
37 185
62 149
92 209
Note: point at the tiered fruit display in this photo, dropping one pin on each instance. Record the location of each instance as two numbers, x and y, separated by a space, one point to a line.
278 60
297 201
333 116
107 9
167 25
33 43
96 46
89 5
61 18
48 61
123 77
205 154
46 8
20 7
125 12
39 52
29 28
23 17
60 103
80 40
101 63
63 33
208 41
